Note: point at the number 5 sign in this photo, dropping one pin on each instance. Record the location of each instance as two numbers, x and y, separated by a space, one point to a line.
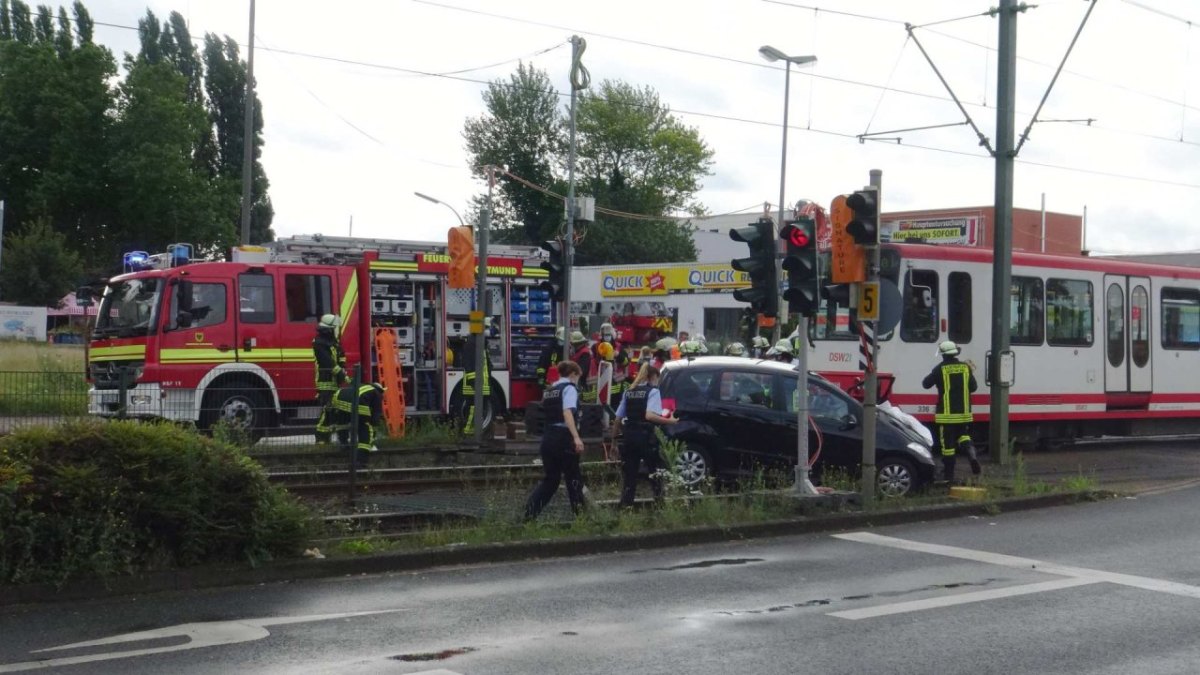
868 301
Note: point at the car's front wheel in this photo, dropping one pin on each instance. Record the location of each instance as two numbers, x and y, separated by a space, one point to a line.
693 465
895 477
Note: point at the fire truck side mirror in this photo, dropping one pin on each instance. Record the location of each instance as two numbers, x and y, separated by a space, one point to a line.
183 319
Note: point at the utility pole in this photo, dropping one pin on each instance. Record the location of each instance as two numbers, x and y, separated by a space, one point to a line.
248 138
577 47
2 235
481 304
802 324
999 366
871 381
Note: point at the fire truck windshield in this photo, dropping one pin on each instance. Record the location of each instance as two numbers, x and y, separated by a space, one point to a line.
128 308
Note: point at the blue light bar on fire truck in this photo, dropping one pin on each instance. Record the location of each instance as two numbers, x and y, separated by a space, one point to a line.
136 261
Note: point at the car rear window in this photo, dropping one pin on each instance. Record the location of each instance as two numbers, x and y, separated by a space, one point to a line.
688 386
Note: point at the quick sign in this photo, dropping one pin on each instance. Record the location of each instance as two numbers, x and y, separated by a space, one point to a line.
676 279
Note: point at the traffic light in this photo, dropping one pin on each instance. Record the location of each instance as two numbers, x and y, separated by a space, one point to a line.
763 294
460 242
800 262
864 227
557 267
837 293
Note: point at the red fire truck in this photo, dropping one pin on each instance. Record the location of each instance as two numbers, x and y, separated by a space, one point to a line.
203 342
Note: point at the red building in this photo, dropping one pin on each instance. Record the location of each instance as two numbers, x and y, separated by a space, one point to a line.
975 227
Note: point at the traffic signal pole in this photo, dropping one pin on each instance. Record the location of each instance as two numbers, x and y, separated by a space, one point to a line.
871 381
569 241
481 304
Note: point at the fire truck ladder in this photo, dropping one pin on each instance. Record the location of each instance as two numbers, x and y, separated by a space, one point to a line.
388 373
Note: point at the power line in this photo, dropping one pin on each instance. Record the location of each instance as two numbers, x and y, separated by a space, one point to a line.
707 114
980 45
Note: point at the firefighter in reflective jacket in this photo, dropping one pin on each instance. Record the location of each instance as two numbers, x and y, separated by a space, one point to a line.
588 365
369 399
955 382
642 410
547 371
330 372
468 386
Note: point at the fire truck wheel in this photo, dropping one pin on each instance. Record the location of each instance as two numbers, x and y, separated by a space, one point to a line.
459 405
243 409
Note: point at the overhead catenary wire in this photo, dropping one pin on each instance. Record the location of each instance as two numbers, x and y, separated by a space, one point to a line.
451 74
731 118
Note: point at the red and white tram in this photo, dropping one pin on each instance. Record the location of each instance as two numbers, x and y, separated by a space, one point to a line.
1102 346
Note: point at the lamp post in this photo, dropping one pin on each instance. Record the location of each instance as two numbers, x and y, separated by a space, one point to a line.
438 201
802 485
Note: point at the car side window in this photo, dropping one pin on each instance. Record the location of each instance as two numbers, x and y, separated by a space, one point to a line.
743 388
822 401
689 386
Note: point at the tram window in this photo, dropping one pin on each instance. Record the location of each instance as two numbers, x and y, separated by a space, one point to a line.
1026 321
835 320
1139 326
1115 310
958 298
1180 318
919 322
1069 313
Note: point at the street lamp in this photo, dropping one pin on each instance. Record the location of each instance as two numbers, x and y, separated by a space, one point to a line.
438 201
803 485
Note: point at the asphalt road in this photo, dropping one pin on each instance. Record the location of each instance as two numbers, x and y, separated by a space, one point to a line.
1109 587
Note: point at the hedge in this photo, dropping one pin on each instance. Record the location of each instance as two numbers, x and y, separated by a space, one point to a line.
94 498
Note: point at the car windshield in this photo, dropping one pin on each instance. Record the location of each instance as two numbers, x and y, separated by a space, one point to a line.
128 308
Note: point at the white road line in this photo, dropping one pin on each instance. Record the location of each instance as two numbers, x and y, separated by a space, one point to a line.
1170 487
959 599
1079 575
205 634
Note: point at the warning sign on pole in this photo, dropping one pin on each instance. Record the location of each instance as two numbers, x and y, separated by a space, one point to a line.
849 262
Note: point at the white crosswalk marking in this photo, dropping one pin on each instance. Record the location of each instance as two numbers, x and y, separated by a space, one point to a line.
1074 576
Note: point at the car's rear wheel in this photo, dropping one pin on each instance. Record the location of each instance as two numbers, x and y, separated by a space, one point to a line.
895 477
693 465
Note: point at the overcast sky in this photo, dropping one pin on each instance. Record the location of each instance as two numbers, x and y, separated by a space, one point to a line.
348 140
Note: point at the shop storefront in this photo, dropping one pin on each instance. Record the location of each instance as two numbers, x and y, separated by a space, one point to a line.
698 296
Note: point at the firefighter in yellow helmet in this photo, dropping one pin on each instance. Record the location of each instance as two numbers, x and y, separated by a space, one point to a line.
330 362
468 386
955 382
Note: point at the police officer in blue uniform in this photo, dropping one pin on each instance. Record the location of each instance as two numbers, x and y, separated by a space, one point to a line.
642 411
561 444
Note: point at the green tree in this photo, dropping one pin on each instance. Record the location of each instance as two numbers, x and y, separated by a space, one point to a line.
84 26
22 23
161 195
225 84
53 165
5 21
521 128
39 267
634 156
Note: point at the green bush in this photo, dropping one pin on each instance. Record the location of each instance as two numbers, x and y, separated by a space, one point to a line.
92 498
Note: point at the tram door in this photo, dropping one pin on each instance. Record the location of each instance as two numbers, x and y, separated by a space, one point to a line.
1127 324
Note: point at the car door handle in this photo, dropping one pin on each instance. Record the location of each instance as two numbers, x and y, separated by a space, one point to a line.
223 348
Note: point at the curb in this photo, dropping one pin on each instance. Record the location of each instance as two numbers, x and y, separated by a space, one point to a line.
290 570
